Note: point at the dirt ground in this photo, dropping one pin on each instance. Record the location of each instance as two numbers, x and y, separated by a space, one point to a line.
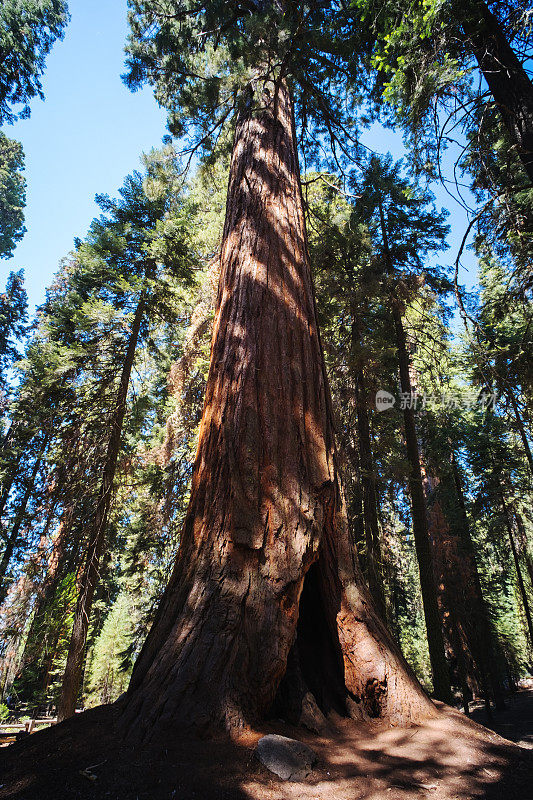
515 723
447 758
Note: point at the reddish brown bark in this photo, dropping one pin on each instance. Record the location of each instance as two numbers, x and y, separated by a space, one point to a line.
266 508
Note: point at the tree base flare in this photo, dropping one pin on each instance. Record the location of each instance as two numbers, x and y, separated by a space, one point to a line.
354 760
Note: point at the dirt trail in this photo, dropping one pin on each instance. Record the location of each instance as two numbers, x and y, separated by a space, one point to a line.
448 758
515 723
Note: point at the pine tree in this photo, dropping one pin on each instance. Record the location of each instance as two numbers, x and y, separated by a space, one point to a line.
404 232
130 258
13 318
28 29
12 195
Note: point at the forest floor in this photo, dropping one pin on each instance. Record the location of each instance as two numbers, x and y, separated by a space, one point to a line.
447 758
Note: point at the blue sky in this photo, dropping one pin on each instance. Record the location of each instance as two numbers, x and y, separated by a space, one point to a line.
88 135
84 138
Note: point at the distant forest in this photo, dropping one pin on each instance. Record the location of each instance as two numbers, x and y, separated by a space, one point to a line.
258 414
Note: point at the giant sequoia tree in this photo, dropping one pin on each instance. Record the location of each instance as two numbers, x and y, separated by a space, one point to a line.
264 608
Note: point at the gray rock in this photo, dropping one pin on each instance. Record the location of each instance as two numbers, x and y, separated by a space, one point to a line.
289 759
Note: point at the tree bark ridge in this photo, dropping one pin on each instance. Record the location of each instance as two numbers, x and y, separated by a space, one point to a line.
265 499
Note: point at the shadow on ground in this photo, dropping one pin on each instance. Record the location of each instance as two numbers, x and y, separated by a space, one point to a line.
515 722
447 758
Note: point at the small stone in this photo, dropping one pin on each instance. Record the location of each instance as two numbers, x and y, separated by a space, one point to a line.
289 759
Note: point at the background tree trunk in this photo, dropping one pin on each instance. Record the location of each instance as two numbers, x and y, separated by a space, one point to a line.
11 540
476 617
437 655
74 666
521 585
508 82
370 503
266 512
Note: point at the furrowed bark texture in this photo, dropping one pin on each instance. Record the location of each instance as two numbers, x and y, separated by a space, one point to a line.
265 508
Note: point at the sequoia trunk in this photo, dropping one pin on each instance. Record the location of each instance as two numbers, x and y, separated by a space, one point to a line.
264 566
74 666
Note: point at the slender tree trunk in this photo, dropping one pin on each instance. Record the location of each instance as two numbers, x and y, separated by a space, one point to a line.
74 666
19 518
264 568
439 667
521 429
437 653
6 489
368 481
482 638
507 80
521 585
40 642
524 544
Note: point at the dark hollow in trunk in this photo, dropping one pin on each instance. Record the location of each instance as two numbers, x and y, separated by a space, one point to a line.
265 504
